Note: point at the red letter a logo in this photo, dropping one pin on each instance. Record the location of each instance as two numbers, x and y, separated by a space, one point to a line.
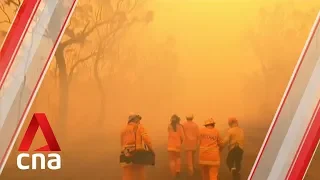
39 119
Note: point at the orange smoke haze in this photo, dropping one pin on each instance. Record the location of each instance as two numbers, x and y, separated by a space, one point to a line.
200 57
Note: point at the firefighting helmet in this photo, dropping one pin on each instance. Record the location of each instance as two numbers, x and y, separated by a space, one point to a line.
210 121
232 120
133 117
189 116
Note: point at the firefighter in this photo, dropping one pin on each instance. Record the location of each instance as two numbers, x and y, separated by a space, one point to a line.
134 137
191 131
234 140
175 140
209 152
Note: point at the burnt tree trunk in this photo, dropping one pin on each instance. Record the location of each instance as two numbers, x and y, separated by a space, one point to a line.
63 89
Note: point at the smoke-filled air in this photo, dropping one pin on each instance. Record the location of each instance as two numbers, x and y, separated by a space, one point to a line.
213 59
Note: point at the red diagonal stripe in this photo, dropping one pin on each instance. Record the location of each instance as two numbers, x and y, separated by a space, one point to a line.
20 123
15 36
293 77
307 148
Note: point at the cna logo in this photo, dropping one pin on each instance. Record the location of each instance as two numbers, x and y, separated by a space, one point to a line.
53 160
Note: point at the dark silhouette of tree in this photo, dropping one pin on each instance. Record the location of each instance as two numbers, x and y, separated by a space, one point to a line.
7 10
109 19
108 26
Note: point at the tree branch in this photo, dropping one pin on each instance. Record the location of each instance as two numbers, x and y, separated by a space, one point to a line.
82 60
17 4
81 36
69 32
2 22
2 8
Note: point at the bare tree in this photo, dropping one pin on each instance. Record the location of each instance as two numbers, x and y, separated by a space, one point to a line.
111 18
7 10
106 46
84 23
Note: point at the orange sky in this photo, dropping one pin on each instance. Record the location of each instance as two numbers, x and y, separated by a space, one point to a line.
214 57
213 49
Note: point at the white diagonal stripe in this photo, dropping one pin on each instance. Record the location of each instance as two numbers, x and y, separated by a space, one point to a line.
24 58
297 128
33 73
266 164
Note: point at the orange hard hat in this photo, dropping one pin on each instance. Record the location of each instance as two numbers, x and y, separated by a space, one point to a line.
232 120
134 116
209 121
189 116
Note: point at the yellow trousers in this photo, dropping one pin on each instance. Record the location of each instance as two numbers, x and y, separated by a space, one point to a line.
190 158
133 172
174 162
209 172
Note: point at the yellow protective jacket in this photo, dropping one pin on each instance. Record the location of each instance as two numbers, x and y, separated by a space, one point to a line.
175 138
235 136
134 137
210 144
191 131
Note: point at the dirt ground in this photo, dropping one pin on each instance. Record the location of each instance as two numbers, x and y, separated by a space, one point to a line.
86 163
102 164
